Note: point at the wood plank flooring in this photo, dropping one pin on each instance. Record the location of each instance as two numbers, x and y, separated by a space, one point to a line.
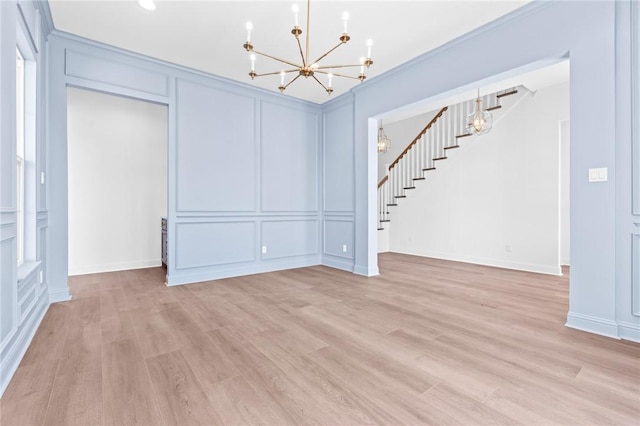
427 342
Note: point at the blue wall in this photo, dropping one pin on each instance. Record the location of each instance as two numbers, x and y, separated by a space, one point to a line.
339 184
243 164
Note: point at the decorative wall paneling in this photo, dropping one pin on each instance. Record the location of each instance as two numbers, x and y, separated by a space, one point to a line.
23 291
635 186
338 202
237 157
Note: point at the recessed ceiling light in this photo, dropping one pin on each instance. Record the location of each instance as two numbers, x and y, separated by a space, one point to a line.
147 4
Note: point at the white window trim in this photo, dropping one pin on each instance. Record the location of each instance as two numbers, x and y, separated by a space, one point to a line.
20 152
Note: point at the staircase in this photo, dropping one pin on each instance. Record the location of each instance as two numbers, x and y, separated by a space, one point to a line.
444 132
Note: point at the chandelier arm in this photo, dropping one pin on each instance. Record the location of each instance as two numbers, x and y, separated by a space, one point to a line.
329 51
338 75
304 61
294 79
325 67
319 82
276 72
277 59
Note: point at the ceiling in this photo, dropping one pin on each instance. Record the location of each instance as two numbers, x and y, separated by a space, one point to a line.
208 35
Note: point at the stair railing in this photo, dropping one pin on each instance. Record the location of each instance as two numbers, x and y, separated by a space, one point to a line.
430 145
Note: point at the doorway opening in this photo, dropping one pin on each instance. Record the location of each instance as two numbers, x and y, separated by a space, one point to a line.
117 181
500 199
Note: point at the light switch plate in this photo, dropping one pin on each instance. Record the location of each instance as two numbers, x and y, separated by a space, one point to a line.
598 175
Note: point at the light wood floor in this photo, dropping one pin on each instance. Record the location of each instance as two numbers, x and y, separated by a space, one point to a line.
427 342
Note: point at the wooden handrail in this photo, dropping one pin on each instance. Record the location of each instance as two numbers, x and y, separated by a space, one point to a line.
417 138
383 180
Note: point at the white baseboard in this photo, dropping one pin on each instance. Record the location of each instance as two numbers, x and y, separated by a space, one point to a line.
629 331
21 342
112 267
366 271
498 263
187 277
601 326
337 263
59 296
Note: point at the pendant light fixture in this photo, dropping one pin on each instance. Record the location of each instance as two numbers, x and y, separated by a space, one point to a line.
308 66
480 121
384 143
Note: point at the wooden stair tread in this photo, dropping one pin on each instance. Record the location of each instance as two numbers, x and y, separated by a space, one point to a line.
391 205
409 187
419 178
452 147
439 158
502 95
493 108
430 168
463 136
400 196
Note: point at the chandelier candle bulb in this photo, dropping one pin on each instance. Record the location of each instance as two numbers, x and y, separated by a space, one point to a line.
253 62
369 44
330 77
295 9
282 74
249 28
345 20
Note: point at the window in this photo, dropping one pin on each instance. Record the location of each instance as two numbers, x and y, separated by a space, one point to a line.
20 151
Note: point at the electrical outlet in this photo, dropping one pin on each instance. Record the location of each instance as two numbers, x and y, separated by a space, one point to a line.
598 175
264 249
344 248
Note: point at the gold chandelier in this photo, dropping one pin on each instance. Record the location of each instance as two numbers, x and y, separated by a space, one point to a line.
308 68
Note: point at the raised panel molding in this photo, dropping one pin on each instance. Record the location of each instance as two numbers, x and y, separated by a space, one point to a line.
635 107
337 233
635 278
216 158
338 159
114 73
289 158
289 238
203 244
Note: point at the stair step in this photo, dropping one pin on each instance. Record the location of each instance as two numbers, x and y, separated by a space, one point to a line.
409 187
439 158
391 205
502 95
380 229
493 108
463 136
452 147
430 168
400 196
386 220
419 178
